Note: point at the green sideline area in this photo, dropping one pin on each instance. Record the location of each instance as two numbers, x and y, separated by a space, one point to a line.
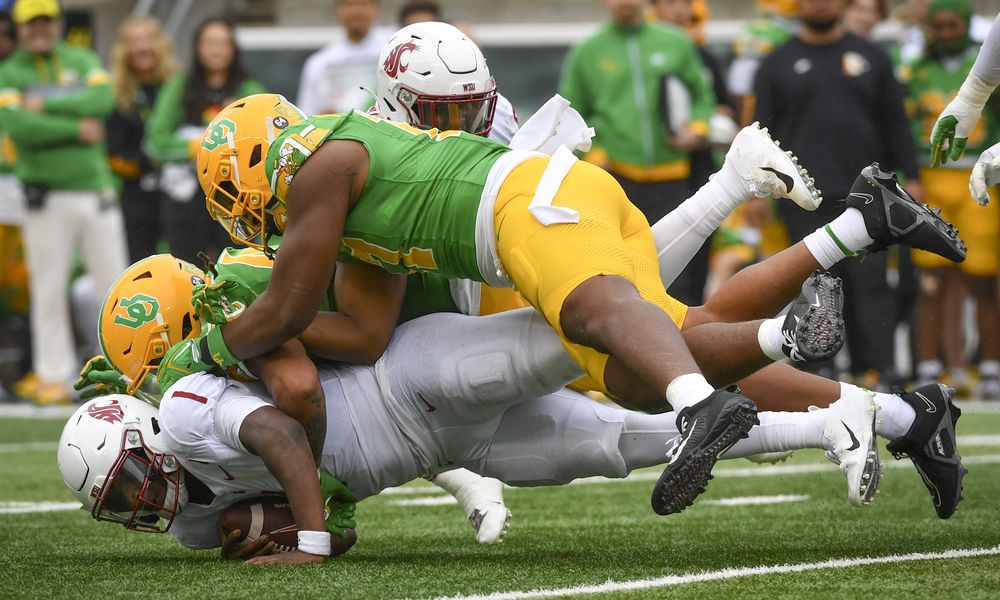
577 535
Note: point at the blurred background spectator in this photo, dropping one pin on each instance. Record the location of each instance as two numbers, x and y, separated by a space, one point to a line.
341 76
141 61
53 107
934 79
642 86
863 15
419 11
185 105
831 97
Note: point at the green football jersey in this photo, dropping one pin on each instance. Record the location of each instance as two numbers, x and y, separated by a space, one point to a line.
426 293
933 83
417 211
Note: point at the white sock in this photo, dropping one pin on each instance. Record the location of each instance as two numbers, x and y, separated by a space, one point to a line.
894 416
781 431
680 233
929 370
844 236
469 488
989 369
770 338
688 390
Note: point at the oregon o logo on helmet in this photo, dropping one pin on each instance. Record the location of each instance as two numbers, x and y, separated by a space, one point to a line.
141 309
217 133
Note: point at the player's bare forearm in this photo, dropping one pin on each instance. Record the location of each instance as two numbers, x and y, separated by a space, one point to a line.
281 443
368 303
318 201
292 380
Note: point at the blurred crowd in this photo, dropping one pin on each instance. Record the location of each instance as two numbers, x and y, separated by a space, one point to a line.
97 164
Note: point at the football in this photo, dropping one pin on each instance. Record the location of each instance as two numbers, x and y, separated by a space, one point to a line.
272 515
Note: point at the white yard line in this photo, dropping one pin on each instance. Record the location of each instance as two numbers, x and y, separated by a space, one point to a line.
18 447
426 501
757 500
752 471
30 411
13 508
731 573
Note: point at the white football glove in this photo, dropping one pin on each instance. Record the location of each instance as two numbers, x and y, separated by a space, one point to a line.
985 174
958 119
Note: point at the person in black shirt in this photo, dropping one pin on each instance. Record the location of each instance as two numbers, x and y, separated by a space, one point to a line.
143 58
833 99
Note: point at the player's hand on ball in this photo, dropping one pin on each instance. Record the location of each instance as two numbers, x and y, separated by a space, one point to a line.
235 548
985 174
99 378
221 301
288 558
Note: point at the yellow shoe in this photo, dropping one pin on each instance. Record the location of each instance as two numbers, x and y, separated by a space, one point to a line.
27 386
51 394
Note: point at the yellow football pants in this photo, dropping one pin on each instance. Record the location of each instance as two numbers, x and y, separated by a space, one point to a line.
979 226
547 263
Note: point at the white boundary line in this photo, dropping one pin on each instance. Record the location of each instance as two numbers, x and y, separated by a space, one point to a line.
16 447
731 573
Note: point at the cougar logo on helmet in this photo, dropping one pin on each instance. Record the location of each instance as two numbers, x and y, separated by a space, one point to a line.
393 63
111 412
140 308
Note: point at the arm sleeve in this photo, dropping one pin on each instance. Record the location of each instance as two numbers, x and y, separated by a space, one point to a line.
695 80
162 142
987 65
97 100
307 98
902 149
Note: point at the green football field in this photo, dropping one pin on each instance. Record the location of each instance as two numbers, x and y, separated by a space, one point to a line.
782 531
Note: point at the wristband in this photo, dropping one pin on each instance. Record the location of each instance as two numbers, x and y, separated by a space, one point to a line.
314 542
218 350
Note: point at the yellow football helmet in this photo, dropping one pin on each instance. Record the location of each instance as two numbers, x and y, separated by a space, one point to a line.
147 311
231 166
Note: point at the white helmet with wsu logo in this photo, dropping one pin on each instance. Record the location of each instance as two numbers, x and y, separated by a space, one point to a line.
111 457
431 75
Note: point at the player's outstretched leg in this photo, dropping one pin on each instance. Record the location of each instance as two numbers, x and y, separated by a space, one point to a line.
813 329
768 171
892 216
931 443
707 430
850 436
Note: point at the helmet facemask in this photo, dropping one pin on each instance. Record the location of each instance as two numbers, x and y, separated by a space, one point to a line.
142 487
461 112
242 212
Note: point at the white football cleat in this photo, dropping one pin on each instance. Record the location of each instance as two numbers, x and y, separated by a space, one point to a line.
481 499
491 521
849 436
769 171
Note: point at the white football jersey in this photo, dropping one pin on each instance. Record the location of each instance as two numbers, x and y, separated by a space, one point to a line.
201 416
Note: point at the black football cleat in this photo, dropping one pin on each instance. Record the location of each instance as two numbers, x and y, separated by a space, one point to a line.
707 430
932 446
813 329
892 216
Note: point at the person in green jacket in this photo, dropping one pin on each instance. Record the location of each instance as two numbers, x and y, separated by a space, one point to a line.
642 86
184 106
53 102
